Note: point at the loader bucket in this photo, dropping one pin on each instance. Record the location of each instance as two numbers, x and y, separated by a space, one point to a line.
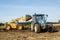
28 17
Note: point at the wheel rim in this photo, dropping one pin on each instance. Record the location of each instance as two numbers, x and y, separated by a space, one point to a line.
8 27
20 27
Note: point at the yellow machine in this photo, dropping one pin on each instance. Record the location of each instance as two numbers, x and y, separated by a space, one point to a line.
14 24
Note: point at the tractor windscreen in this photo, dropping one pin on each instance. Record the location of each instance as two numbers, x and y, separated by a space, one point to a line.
39 18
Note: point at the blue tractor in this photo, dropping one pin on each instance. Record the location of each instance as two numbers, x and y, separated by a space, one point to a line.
39 23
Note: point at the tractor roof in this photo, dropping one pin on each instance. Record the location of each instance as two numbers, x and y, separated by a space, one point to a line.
38 15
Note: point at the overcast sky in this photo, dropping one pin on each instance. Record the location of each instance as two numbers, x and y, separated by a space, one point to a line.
10 9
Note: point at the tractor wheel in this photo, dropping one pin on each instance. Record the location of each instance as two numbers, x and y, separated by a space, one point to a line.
50 28
7 27
19 27
37 28
32 26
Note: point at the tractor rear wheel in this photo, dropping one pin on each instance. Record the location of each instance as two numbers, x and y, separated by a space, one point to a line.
50 28
37 28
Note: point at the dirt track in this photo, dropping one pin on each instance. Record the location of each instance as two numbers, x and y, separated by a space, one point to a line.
28 35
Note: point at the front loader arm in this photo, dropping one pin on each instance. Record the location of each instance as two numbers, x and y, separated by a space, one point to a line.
24 18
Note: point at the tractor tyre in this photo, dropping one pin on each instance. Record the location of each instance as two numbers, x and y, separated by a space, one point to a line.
19 27
32 26
50 28
7 27
37 28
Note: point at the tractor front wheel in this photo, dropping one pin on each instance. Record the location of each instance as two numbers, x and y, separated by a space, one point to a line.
37 28
32 26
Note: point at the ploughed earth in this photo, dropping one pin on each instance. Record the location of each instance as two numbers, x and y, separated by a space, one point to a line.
28 35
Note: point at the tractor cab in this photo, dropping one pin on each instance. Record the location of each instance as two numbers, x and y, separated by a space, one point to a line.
39 18
38 22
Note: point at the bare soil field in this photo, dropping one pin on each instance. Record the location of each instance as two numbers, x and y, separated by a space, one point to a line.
28 35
